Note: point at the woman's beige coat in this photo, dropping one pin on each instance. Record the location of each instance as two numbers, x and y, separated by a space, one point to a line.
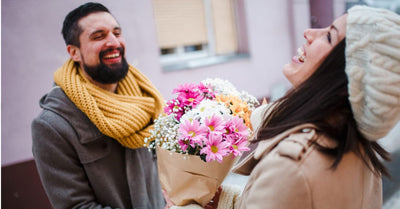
288 172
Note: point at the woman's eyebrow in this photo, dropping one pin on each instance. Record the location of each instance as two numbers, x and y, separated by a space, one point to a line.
334 28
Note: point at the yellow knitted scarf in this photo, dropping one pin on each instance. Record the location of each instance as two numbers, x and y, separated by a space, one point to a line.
126 115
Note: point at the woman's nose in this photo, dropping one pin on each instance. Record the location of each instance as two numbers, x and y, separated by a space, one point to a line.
312 34
308 35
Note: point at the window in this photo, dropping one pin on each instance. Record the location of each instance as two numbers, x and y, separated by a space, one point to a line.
193 33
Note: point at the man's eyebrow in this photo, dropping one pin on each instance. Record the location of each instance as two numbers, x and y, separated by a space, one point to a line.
96 32
102 31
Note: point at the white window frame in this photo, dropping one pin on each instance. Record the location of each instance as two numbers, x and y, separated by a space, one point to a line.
181 59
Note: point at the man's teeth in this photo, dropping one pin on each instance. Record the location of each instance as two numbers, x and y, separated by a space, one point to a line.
301 56
110 56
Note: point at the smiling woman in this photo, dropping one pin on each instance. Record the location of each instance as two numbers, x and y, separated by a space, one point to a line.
319 43
319 140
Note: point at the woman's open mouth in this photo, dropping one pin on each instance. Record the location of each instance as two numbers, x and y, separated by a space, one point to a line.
301 56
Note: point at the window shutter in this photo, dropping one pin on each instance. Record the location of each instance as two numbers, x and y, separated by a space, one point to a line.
180 22
224 26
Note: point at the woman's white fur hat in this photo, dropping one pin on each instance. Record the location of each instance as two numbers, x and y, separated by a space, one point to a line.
373 69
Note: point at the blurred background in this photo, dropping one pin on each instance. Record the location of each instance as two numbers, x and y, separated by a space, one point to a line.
171 42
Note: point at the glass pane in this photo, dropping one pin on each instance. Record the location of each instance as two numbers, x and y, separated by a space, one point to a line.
165 51
192 48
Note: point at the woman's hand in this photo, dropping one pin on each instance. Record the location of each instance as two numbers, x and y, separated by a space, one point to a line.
213 204
169 201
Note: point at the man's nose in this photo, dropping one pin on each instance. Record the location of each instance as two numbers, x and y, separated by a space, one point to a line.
112 41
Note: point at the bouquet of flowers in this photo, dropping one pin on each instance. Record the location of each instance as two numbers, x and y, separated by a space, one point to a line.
197 139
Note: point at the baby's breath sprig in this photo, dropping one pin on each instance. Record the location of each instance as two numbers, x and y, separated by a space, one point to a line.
164 133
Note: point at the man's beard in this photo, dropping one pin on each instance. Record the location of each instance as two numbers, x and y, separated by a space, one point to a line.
107 74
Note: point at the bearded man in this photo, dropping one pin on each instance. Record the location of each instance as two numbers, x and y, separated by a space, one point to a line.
88 140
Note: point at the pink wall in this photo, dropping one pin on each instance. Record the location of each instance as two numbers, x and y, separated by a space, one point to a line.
32 49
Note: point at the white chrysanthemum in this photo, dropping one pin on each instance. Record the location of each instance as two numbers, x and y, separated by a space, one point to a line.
251 100
221 86
227 88
189 115
209 108
204 110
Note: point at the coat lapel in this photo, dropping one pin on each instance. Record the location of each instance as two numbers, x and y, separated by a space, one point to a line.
245 166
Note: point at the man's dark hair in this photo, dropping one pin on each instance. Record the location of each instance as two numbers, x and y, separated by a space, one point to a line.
71 29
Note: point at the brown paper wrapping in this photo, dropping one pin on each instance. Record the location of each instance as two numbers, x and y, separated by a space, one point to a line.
187 179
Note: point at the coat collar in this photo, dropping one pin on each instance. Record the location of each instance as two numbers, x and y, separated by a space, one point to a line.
266 146
58 102
245 166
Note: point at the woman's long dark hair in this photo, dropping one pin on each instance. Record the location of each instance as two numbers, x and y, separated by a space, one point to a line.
323 101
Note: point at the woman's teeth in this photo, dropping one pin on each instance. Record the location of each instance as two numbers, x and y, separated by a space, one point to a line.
301 56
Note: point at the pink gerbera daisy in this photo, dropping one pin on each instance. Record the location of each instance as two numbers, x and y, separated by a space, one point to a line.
215 148
184 88
191 133
239 146
236 128
174 107
206 91
215 123
191 98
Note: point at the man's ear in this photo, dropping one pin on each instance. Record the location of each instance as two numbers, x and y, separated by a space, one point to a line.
74 52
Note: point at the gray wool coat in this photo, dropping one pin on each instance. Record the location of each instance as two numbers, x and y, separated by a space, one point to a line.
82 168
